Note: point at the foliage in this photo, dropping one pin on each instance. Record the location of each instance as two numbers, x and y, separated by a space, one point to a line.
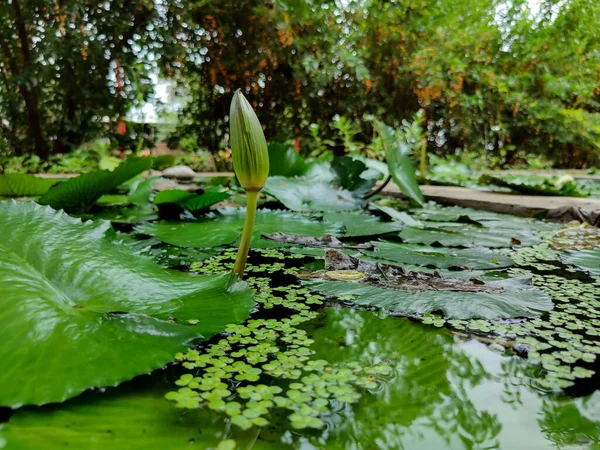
468 235
22 185
440 257
189 200
80 193
482 71
225 228
61 65
588 260
302 194
401 168
536 184
517 299
80 310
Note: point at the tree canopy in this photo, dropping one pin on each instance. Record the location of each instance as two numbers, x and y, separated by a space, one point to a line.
491 76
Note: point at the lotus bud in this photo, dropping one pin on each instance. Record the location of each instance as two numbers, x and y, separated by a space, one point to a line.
248 145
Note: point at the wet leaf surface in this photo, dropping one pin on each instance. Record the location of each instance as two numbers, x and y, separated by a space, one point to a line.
75 302
299 194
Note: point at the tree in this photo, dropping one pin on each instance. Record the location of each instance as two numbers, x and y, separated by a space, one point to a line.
58 62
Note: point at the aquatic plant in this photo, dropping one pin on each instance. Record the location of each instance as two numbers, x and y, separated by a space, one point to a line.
234 374
251 165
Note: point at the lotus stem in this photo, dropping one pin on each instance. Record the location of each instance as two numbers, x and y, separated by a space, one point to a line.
244 248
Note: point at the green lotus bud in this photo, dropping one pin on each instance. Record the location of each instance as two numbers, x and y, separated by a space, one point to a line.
248 144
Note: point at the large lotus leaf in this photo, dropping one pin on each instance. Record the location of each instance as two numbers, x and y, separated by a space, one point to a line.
466 235
588 260
24 185
400 165
134 416
285 161
435 213
517 299
440 257
400 216
362 224
348 175
124 214
79 310
226 228
80 193
300 194
190 200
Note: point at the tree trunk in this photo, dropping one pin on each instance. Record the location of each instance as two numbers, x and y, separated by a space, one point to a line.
29 95
11 129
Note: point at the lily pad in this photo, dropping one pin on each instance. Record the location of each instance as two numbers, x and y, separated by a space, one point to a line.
467 235
226 228
300 194
436 213
588 260
362 224
134 416
79 310
517 299
440 257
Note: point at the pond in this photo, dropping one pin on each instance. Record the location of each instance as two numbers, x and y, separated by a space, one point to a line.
359 325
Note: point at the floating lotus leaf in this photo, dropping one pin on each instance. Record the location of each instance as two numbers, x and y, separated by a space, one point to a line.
588 260
79 310
517 299
226 228
439 257
299 194
467 235
355 225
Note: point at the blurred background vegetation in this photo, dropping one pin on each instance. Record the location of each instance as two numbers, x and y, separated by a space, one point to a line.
488 83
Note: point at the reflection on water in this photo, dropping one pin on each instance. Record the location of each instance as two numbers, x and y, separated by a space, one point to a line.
443 394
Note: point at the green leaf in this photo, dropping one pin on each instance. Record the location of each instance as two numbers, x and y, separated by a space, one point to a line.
362 224
466 235
226 228
309 195
517 300
588 260
437 213
80 193
285 161
189 200
125 214
399 162
78 310
348 175
134 416
400 216
440 257
24 185
535 184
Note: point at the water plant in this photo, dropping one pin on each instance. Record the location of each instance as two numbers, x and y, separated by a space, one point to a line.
251 164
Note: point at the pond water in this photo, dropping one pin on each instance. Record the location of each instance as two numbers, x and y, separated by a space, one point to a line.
511 365
442 393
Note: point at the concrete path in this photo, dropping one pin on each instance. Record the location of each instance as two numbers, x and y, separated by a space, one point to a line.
520 205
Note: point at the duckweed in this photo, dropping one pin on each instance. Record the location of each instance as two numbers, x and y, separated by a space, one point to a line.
234 374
